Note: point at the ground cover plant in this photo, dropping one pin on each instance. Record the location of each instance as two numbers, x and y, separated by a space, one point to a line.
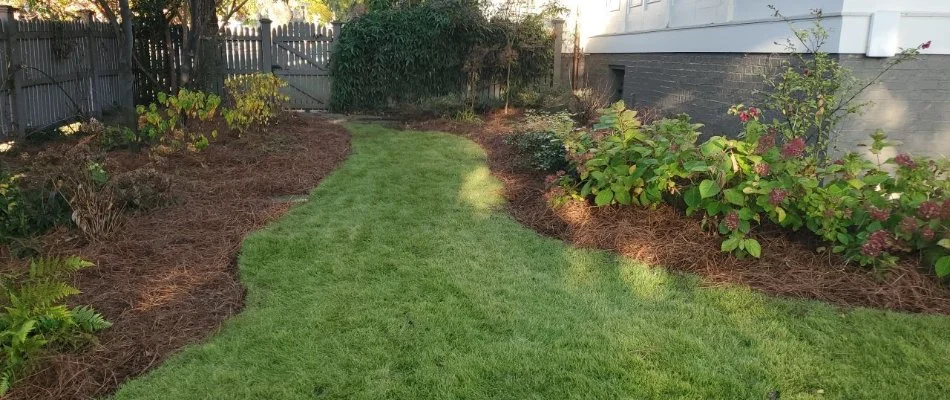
34 317
434 292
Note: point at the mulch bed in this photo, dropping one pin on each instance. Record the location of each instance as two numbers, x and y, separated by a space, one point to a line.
168 277
790 265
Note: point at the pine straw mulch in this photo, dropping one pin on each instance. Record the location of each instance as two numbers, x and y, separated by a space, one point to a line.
789 267
168 277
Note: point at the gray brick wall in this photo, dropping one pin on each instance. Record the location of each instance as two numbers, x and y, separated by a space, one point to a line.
912 102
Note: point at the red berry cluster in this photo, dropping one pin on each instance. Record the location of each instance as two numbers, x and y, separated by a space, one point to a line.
877 242
927 233
794 148
777 196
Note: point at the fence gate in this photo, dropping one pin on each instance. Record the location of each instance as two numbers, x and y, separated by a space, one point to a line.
298 53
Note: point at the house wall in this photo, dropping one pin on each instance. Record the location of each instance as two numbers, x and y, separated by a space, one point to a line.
911 103
702 56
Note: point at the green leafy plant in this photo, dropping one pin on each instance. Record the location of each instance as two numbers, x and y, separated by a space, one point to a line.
541 140
813 93
27 209
256 101
445 47
34 316
624 162
179 121
865 212
779 172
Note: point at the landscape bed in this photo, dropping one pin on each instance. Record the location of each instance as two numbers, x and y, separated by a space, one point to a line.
790 265
167 277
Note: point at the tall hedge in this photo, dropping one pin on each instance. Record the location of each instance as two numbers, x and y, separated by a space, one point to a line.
412 52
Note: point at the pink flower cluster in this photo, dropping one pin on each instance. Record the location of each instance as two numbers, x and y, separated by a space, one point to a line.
795 148
908 225
905 161
877 242
880 214
777 196
750 114
762 169
766 142
731 221
929 210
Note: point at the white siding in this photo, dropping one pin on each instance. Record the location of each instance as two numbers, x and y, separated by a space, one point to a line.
644 26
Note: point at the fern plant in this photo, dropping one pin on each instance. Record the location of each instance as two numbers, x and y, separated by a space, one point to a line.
34 317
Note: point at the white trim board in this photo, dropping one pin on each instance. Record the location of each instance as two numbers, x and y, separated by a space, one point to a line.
848 35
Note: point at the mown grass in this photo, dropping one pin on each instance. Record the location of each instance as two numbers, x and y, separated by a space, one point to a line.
403 278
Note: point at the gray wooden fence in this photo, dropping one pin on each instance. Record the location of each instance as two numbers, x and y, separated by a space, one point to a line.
55 71
298 53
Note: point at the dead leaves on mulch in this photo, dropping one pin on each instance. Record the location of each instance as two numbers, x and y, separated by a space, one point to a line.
789 267
168 277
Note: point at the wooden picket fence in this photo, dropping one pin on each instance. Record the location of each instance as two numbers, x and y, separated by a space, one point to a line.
297 52
55 72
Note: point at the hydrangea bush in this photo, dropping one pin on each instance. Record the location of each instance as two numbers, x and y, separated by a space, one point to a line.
778 172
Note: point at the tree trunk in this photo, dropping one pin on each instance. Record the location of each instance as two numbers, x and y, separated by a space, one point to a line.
127 91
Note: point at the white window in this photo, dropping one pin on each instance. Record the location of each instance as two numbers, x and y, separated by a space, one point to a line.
613 5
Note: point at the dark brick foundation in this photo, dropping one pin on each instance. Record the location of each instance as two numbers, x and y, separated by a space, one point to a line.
911 103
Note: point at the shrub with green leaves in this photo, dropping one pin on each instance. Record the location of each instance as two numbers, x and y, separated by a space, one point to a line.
28 209
180 121
541 140
623 162
780 171
256 101
869 212
34 316
418 50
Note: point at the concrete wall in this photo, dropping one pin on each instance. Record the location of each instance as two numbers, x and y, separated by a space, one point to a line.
912 102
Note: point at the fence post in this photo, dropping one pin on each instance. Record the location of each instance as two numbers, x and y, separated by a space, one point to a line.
337 29
91 55
558 49
14 70
267 44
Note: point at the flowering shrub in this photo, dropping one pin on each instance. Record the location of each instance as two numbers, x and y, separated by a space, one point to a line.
866 213
778 171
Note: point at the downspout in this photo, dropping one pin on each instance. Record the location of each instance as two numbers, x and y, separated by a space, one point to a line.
669 13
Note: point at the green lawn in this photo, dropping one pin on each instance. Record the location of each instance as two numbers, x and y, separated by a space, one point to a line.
403 278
